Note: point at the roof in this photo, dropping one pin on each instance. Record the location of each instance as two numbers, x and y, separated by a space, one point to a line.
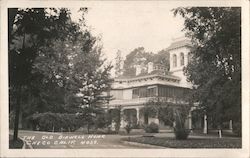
142 80
155 73
122 77
180 43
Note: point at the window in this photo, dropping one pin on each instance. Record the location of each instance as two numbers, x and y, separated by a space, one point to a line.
135 93
151 91
174 60
189 57
182 59
143 92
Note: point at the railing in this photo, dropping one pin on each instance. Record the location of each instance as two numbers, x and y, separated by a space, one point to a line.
129 101
139 101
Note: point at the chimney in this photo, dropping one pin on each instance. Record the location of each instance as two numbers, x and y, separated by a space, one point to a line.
137 70
150 67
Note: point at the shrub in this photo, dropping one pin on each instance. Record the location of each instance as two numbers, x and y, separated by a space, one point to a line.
181 134
179 129
49 121
152 128
237 128
101 121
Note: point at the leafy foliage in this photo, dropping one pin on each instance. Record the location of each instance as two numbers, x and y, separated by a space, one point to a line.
137 57
166 111
50 68
179 129
101 121
152 128
140 57
29 29
215 67
173 114
49 121
118 64
163 58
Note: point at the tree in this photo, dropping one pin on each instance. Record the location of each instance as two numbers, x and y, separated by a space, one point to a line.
65 63
140 57
215 67
137 57
173 114
162 57
28 30
89 79
118 64
42 43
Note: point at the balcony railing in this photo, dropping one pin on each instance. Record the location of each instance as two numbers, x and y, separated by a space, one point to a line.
140 101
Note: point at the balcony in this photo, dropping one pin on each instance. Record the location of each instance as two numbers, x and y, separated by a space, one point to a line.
141 101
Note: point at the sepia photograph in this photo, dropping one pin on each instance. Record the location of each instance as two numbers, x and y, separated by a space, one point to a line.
125 75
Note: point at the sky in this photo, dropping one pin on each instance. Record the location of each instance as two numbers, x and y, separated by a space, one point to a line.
127 26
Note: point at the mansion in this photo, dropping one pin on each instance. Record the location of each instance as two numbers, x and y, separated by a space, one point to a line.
131 94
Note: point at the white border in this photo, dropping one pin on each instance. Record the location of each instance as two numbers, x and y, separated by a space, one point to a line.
5 152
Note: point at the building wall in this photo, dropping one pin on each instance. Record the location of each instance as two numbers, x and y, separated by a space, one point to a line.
127 94
178 70
117 94
121 94
150 91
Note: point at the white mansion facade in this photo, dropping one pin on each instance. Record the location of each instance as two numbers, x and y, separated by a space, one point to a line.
131 94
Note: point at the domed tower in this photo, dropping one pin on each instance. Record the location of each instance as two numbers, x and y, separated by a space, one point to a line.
179 58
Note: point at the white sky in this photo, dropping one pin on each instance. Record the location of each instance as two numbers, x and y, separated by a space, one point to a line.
126 27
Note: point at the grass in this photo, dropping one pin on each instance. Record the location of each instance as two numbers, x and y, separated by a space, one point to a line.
18 144
107 132
189 143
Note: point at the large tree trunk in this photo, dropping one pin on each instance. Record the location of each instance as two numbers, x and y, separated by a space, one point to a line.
18 103
17 112
11 19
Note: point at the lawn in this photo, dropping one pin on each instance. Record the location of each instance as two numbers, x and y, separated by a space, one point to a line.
15 144
189 143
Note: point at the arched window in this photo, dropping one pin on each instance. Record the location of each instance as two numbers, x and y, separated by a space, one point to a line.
189 57
174 60
182 59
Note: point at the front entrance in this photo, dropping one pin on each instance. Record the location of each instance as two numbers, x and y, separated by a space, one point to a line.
130 116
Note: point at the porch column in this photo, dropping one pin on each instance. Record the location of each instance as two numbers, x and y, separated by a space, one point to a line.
205 124
190 120
122 119
137 115
231 124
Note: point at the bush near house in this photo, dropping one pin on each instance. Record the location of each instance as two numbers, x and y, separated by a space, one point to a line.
181 133
49 121
237 128
152 128
179 130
